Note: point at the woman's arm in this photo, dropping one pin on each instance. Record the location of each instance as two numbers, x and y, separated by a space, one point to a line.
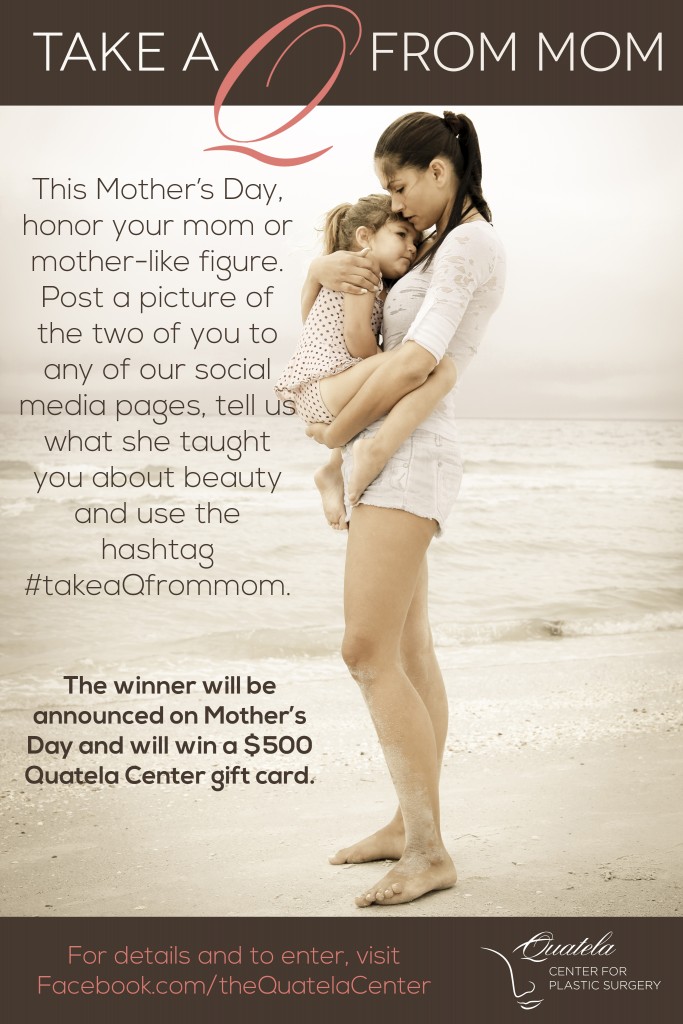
350 272
465 261
402 371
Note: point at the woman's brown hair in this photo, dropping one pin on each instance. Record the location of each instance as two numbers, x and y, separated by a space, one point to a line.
414 140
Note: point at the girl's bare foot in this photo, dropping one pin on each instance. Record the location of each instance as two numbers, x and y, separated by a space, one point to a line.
330 483
387 843
369 459
413 876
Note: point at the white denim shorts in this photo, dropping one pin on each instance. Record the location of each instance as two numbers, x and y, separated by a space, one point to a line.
423 477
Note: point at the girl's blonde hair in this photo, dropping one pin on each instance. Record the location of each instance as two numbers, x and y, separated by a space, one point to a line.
343 221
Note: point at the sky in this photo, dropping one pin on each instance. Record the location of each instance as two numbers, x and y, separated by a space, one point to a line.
586 200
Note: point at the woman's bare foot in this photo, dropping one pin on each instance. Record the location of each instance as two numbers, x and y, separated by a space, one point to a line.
369 459
330 483
387 843
414 875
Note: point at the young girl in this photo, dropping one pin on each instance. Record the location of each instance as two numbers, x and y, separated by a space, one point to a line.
338 348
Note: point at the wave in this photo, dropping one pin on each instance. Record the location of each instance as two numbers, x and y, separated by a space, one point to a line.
663 464
507 466
655 622
321 642
19 469
14 469
551 629
536 465
269 643
13 509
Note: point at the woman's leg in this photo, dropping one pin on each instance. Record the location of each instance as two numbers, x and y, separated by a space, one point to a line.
419 662
384 559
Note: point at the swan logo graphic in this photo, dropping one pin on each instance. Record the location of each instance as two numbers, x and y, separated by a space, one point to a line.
526 1004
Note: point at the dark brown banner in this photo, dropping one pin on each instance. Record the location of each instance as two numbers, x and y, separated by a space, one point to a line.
381 52
307 970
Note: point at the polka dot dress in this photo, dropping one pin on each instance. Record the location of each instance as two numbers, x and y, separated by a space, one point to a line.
321 352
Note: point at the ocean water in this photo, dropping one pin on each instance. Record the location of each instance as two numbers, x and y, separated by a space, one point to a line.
562 529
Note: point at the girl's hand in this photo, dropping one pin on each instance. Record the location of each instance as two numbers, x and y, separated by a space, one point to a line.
352 272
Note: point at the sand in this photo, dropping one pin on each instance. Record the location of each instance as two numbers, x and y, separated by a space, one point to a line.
561 796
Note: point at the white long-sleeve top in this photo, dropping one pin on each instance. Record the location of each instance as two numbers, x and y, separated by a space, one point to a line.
446 306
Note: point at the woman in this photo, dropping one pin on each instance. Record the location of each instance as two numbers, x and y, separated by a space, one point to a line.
431 167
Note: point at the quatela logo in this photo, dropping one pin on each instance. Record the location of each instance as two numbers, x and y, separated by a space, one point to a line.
538 949
529 1004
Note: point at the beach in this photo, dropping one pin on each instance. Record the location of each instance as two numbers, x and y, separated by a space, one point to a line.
557 616
561 799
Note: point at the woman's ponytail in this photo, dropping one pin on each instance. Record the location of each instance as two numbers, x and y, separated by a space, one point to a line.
467 163
414 140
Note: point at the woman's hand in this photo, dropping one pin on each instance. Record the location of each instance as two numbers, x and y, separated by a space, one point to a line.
352 272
